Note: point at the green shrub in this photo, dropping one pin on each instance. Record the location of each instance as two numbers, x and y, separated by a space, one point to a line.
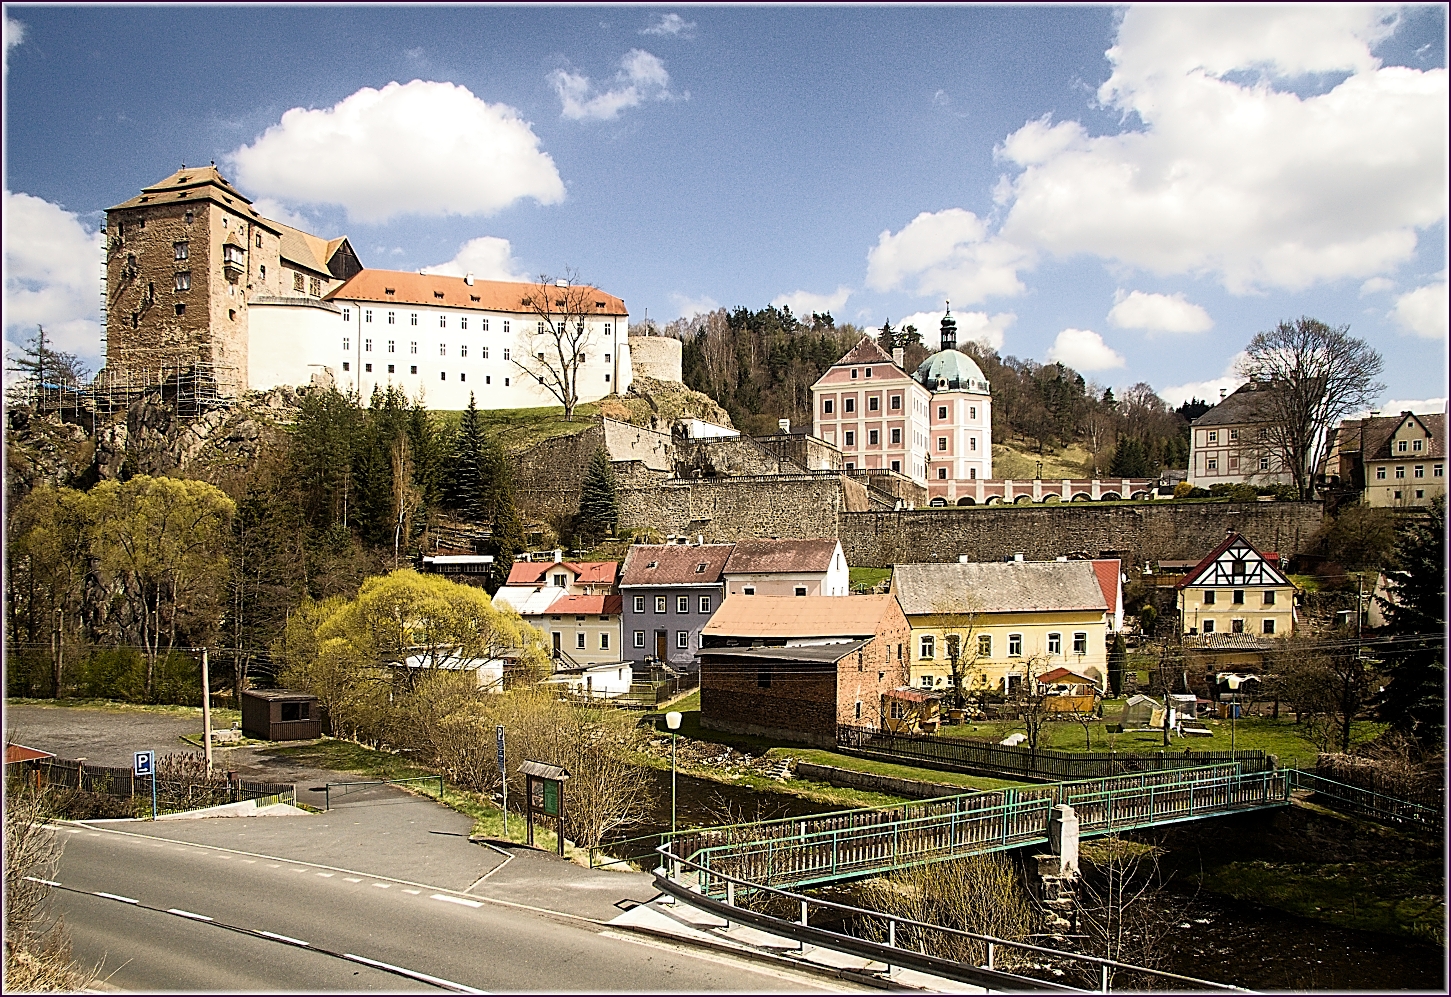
113 673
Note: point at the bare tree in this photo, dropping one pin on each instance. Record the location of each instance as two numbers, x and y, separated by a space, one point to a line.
557 348
1317 374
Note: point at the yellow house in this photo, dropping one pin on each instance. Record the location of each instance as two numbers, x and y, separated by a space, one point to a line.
1005 622
1237 590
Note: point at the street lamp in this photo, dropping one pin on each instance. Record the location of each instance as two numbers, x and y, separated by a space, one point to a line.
672 720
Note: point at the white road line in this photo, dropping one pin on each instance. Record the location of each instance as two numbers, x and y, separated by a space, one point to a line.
186 913
47 882
284 938
352 879
250 861
327 875
414 892
456 900
384 886
113 896
437 981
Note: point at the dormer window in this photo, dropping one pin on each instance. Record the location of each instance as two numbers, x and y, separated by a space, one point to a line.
700 568
438 294
653 564
388 290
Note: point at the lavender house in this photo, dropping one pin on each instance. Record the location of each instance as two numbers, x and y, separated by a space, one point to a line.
670 591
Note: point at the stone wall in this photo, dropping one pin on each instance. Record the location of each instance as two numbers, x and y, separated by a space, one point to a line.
730 456
805 450
1139 533
548 476
728 509
891 785
656 356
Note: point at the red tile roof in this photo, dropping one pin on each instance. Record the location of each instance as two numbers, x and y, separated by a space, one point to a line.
802 616
581 605
780 556
434 291
675 564
20 753
864 352
586 572
1108 573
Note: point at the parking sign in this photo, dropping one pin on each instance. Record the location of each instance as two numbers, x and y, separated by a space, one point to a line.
145 762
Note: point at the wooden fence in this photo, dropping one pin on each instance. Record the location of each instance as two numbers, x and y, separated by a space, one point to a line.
172 792
977 757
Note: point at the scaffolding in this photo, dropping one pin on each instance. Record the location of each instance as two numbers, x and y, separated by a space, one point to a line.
190 389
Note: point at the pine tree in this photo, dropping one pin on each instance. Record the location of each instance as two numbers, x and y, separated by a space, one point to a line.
598 507
466 483
1416 697
887 337
1118 656
495 504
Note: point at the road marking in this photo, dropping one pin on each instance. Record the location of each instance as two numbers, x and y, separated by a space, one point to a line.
297 870
186 913
384 886
327 875
159 844
352 879
436 981
47 882
113 896
250 861
456 900
284 938
225 858
414 892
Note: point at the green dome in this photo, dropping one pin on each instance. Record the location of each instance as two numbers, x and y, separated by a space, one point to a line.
951 370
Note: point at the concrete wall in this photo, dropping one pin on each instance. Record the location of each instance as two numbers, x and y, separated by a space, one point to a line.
1141 533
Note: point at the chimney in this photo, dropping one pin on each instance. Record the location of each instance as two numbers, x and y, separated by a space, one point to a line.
1019 558
700 540
899 356
962 559
469 278
561 283
558 555
784 424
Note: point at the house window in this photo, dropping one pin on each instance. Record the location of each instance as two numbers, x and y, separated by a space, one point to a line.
942 473
749 590
178 250
1080 643
579 641
1438 470
183 280
314 286
873 437
298 281
1269 597
561 581
1236 626
659 604
639 638
1264 463
941 443
896 436
896 402
848 405
826 406
1236 566
1380 474
1213 464
800 590
929 646
682 640
1234 434
604 641
873 403
1416 445
1400 446
1015 645
1209 598
1420 470
682 604
984 645
1055 643
1269 626
1239 597
763 678
1398 491
926 681
705 604
1233 463
1213 436
639 603
850 438
1209 626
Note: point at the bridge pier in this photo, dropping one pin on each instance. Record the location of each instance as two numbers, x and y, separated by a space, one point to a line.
1057 870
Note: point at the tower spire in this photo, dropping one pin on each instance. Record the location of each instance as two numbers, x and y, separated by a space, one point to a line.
949 329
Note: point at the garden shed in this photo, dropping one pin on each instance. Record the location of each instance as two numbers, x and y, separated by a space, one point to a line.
280 715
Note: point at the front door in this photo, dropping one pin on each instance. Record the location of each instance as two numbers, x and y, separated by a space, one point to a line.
660 644
556 643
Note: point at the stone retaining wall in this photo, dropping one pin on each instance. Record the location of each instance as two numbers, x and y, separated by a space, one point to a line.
892 786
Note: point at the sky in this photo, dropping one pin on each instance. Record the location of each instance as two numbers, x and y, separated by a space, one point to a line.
1133 191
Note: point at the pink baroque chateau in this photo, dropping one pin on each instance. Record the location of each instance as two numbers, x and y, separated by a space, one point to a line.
934 425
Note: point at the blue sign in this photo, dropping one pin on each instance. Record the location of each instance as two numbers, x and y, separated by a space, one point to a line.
145 763
499 739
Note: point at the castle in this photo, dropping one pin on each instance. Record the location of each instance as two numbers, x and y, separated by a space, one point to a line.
933 426
198 284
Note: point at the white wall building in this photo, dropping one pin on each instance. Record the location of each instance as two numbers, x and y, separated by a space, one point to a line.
440 337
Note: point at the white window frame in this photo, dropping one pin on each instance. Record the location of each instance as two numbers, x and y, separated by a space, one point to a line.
682 604
1080 642
682 640
927 648
639 638
659 604
639 604
1015 645
705 604
1055 643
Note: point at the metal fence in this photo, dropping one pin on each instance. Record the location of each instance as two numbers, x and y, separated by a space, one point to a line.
1376 806
960 754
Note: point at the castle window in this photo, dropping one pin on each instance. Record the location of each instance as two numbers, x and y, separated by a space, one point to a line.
135 317
180 308
827 406
443 349
438 294
390 368
897 402
314 286
347 314
942 411
391 318
368 315
897 466
367 346
442 376
463 351
413 318
541 328
189 216
972 412
506 357
942 473
873 437
896 436
463 323
413 347
972 474
413 369
848 405
367 368
346 343
183 283
262 272
506 329
850 438
484 324
179 251
463 377
484 352
297 281
853 373
941 443
391 348
347 366
972 443
259 240
443 321
873 403
232 314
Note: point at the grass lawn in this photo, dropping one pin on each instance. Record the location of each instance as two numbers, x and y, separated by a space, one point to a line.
1283 738
221 717
863 579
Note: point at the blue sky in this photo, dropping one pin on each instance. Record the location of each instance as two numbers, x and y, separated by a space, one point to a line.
1135 192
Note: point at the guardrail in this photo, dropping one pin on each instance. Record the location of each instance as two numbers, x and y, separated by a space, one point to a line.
357 787
998 973
1368 802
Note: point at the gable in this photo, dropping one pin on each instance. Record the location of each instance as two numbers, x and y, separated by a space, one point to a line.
1235 564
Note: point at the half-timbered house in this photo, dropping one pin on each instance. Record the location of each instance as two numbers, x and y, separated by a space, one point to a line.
1237 590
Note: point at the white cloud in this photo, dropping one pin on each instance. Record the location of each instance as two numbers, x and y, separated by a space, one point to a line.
422 148
642 77
14 35
1424 310
1206 390
272 208
488 258
1084 349
687 307
972 327
1420 406
1229 176
1157 313
1376 285
52 276
803 303
946 253
672 25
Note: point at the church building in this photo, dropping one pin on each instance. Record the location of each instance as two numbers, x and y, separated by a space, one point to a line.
933 425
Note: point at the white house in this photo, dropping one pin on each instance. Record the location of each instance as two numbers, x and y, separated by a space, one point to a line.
787 567
442 337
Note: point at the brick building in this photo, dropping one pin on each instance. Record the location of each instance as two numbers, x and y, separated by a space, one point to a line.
796 667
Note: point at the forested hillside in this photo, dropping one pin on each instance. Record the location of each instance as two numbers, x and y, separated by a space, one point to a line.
760 367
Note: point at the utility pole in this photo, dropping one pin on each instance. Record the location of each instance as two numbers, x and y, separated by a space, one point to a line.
207 709
55 679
